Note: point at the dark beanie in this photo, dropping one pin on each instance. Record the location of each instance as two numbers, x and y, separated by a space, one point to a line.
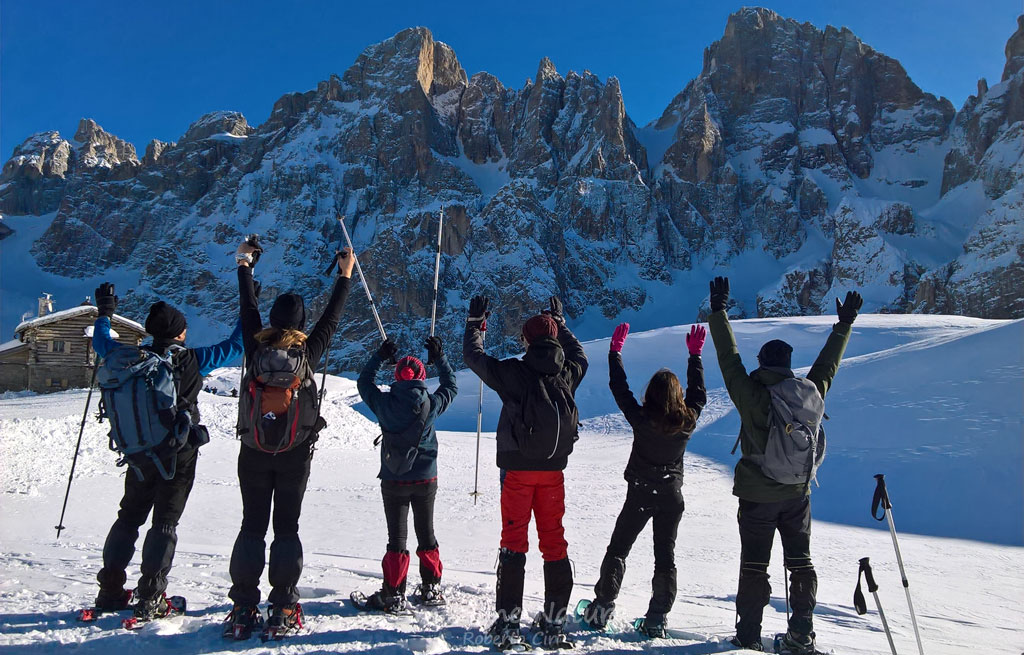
288 312
164 321
776 353
410 368
538 327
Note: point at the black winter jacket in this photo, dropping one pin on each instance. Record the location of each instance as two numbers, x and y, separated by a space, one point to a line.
657 457
563 357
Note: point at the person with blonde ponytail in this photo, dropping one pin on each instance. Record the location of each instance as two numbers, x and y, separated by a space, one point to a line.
662 426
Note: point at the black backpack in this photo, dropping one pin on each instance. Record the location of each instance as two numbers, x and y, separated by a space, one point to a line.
545 420
278 408
401 448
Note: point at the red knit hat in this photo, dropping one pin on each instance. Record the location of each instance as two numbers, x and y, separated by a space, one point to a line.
410 368
540 326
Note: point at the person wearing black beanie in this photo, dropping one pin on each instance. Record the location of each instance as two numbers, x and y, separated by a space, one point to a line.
767 503
165 322
277 427
145 489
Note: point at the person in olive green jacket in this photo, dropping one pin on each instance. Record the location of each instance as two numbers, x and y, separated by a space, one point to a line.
764 504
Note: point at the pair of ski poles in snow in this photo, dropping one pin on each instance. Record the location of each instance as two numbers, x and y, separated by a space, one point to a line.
433 321
881 499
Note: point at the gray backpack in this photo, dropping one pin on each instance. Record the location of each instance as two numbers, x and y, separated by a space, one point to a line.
278 409
140 397
796 440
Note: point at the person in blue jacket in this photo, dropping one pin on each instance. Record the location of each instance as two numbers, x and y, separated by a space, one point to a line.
165 498
408 469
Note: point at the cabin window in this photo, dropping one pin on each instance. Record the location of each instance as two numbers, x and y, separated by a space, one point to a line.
57 347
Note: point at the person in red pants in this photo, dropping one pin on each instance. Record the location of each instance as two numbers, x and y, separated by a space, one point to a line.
537 428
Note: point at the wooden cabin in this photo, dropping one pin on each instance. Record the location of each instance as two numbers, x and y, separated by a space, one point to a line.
54 350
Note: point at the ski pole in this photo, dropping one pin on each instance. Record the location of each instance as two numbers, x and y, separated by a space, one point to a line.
437 269
359 269
785 587
74 460
882 498
862 607
479 424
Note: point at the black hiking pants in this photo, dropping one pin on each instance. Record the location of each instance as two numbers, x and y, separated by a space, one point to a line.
266 481
664 507
758 523
398 497
166 499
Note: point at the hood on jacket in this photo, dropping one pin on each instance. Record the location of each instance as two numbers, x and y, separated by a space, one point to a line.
545 356
410 394
769 375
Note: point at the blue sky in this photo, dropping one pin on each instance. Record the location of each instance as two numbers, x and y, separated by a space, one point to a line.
146 70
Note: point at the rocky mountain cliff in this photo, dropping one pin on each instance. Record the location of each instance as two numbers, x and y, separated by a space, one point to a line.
801 160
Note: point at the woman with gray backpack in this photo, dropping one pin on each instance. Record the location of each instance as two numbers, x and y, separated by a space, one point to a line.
408 469
782 445
278 423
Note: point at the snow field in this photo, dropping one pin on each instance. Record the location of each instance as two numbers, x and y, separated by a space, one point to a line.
934 402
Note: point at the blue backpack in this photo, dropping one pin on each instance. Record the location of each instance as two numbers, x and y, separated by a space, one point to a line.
140 397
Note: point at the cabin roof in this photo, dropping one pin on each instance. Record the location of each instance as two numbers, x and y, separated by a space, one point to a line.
70 313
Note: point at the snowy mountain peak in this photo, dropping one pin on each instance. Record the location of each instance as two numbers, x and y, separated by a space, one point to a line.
800 160
96 147
1015 51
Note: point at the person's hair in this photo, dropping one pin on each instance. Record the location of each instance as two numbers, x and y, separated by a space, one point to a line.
279 338
665 404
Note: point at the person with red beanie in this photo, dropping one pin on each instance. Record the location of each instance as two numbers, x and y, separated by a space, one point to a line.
537 428
408 468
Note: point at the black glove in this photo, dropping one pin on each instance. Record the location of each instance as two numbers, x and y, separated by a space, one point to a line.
719 293
478 311
848 310
387 351
556 310
434 349
254 241
106 301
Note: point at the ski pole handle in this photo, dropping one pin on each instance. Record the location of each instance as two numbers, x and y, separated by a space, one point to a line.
881 498
865 567
362 278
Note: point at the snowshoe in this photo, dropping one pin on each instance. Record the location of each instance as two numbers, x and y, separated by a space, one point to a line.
242 621
790 643
105 604
550 635
507 636
430 595
380 602
593 615
151 609
283 621
755 646
651 628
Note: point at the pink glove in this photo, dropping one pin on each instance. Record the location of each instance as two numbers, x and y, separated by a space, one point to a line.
619 337
695 339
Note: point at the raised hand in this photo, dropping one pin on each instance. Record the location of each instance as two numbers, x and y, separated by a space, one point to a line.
248 252
478 311
695 339
619 337
848 310
346 261
719 293
556 310
434 349
106 301
387 351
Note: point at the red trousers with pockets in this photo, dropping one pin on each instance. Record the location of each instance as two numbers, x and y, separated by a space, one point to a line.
543 494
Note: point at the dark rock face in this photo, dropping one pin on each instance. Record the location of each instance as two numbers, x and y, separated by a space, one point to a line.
802 146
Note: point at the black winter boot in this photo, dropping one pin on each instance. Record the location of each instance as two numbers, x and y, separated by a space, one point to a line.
663 593
509 588
557 589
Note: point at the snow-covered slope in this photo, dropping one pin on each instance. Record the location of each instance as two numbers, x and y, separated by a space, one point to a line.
934 402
